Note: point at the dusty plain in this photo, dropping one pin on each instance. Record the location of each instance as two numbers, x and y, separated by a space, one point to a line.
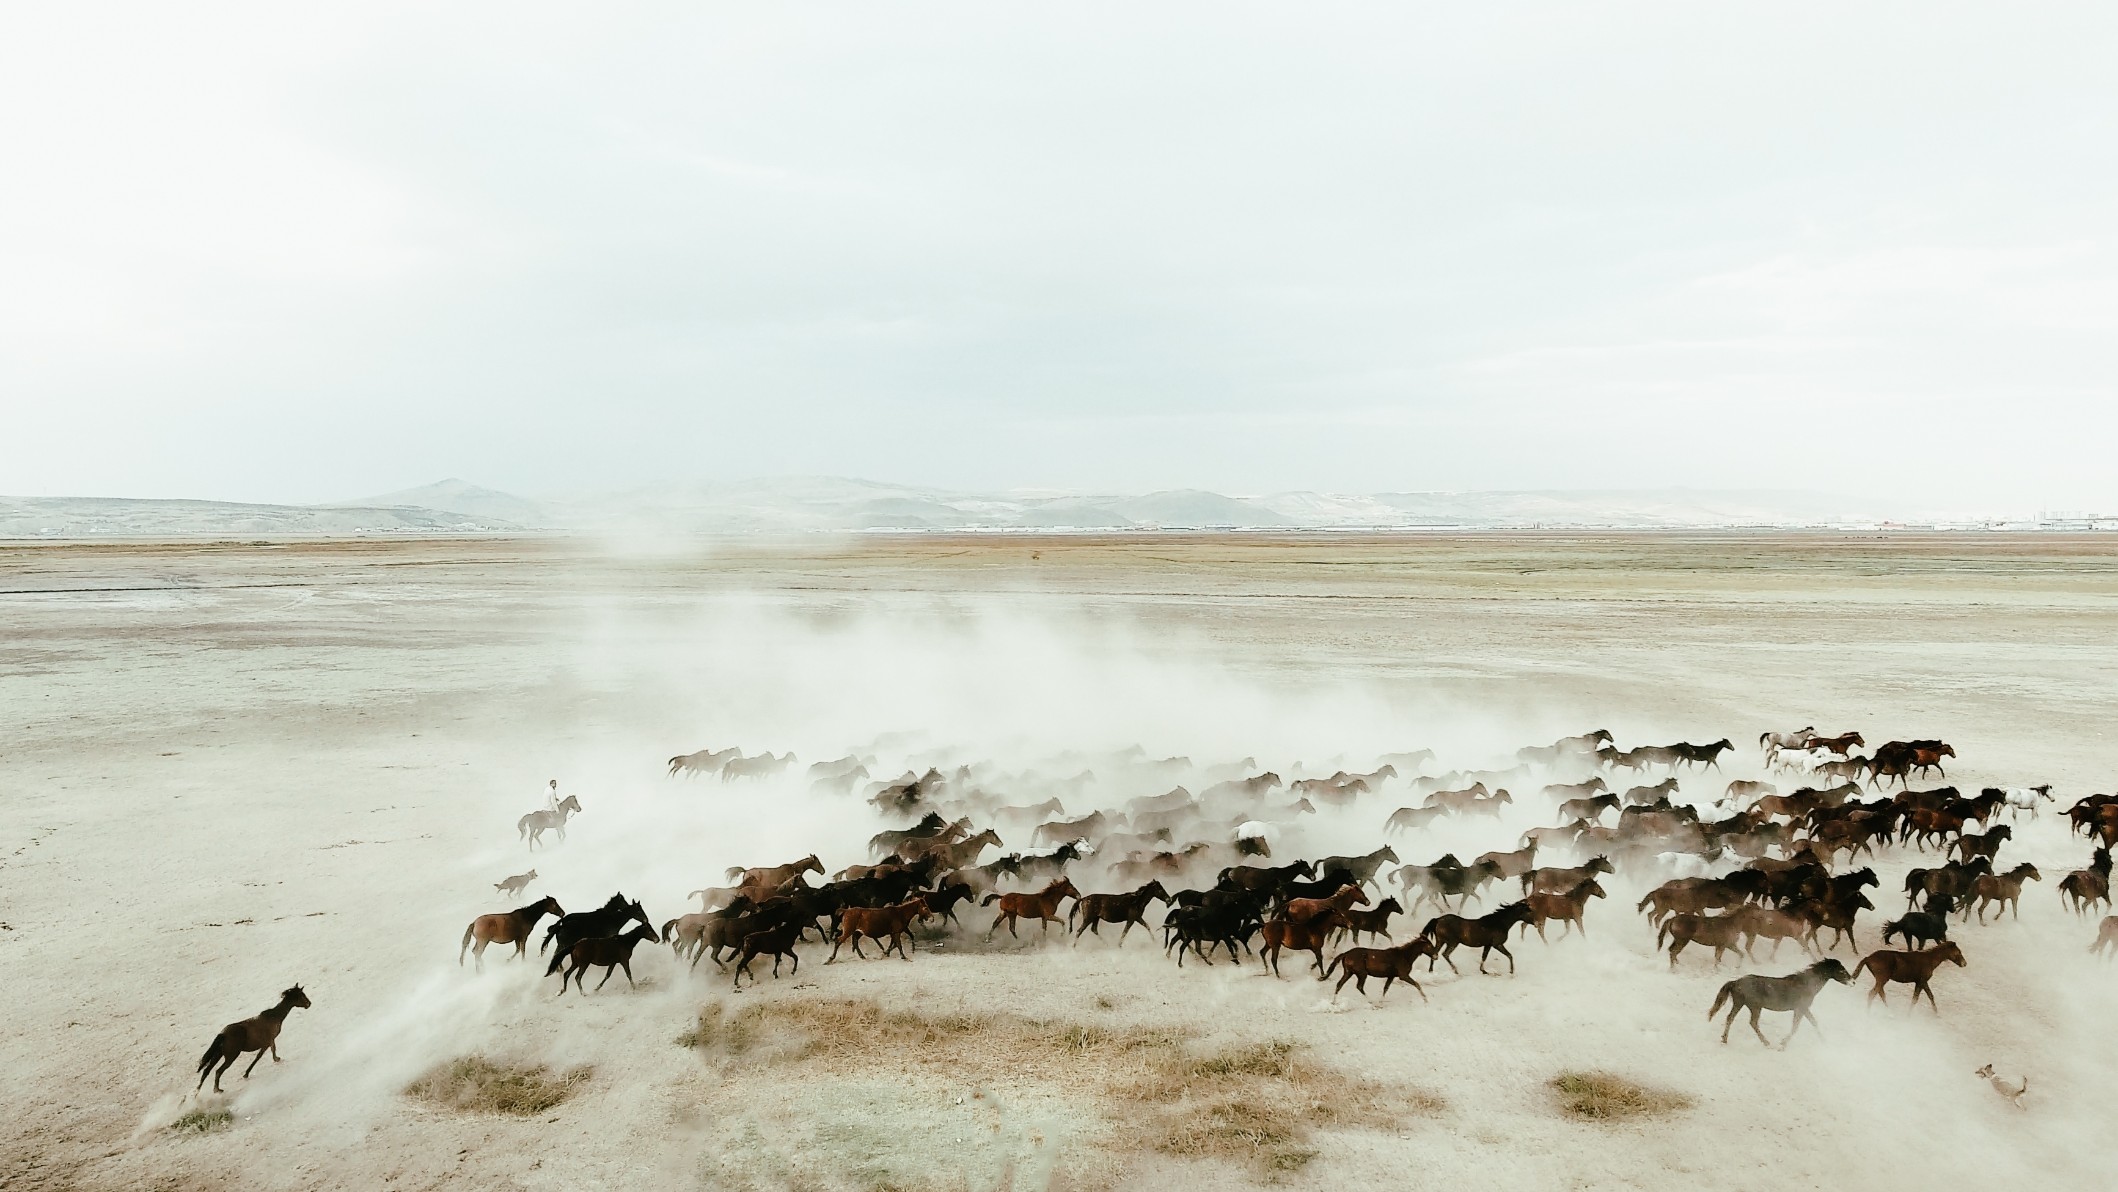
227 767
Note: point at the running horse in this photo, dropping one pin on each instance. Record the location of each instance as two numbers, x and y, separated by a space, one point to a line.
510 927
537 823
259 1034
1794 992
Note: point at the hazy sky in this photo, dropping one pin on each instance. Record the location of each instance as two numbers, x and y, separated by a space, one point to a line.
286 253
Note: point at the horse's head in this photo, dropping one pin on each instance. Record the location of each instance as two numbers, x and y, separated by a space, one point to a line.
1386 853
1600 864
1832 970
1947 950
548 905
1589 888
1063 887
293 996
2027 870
570 803
1154 889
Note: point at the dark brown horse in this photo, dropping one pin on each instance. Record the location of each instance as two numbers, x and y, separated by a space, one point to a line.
1128 909
2084 888
1793 992
1910 968
1488 933
890 924
511 927
1391 964
259 1034
603 922
1043 905
779 941
609 953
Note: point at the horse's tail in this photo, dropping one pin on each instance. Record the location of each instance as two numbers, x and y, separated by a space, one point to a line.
1728 990
213 1052
1761 739
468 932
1644 902
665 930
735 872
1662 933
989 900
522 827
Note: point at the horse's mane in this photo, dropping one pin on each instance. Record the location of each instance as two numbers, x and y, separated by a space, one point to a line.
523 910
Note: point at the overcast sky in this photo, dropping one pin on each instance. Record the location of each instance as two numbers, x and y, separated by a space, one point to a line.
289 254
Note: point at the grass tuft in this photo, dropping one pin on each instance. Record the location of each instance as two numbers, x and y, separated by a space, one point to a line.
203 1121
475 1084
1251 1103
1601 1096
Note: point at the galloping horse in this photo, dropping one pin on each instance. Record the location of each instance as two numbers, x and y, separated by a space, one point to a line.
258 1034
537 823
1793 992
512 927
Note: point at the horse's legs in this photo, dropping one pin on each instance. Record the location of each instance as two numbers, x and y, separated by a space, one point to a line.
261 1055
228 1059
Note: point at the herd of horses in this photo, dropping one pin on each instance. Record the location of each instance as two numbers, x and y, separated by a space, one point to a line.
1745 866
1751 865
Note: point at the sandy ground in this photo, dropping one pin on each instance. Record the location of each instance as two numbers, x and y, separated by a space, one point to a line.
230 767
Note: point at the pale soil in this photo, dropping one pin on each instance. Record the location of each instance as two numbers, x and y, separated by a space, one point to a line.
227 768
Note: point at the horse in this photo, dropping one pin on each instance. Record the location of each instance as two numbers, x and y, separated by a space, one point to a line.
892 924
1705 756
1589 809
1363 868
1773 743
705 761
1651 794
2003 888
1373 921
951 854
764 765
1488 933
1838 745
1446 878
1919 928
1302 910
1128 908
1307 935
1412 819
1722 933
2084 888
1391 964
259 1034
1576 790
1793 992
1559 881
537 823
1909 968
2025 798
511 927
1567 907
1512 864
1055 832
609 953
774 876
2106 935
1043 905
779 941
604 921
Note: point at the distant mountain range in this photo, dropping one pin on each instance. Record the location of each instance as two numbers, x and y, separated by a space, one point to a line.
825 504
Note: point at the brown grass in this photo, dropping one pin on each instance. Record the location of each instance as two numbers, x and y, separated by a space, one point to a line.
1253 1103
1601 1096
475 1084
203 1121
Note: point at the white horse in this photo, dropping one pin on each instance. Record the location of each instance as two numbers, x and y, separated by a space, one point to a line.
2024 798
1773 743
537 823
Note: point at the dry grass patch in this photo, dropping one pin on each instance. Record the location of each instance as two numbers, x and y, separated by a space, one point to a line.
1254 1103
475 1084
203 1121
1600 1096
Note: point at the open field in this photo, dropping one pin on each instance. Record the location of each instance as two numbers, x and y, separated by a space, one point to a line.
230 767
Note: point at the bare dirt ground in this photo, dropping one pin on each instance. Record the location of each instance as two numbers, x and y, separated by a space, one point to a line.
230 767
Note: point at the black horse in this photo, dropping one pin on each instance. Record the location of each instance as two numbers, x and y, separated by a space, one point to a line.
606 920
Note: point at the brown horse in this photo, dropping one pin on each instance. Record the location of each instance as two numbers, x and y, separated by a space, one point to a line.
773 876
609 953
1488 933
1307 935
2084 888
779 941
259 1034
1301 910
1794 992
1043 905
1129 909
1722 933
511 927
1391 964
1567 907
1373 921
2003 888
1910 968
890 924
